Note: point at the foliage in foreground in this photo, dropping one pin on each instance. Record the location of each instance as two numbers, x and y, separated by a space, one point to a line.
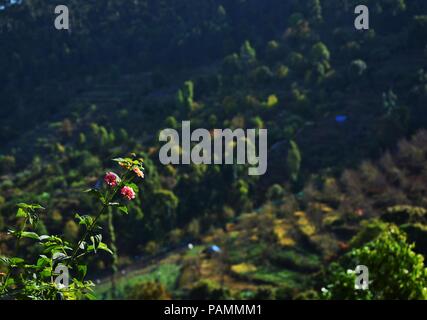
39 280
395 270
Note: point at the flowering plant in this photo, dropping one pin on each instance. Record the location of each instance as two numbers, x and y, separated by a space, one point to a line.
39 280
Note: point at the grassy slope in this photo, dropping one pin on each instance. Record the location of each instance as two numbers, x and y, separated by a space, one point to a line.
279 246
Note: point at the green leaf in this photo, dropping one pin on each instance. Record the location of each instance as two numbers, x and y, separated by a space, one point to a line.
29 211
96 240
5 261
23 206
84 220
82 245
37 207
46 273
14 262
103 246
31 235
90 296
96 193
82 270
30 207
10 282
21 213
133 186
123 209
43 261
59 256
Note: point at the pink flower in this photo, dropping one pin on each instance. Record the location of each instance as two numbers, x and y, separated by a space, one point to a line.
128 193
111 179
138 172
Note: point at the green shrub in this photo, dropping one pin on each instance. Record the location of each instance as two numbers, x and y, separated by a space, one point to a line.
152 290
395 270
208 290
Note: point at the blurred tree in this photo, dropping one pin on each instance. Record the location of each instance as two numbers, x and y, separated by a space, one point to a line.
282 72
193 228
293 161
315 9
231 65
82 139
67 128
7 163
357 68
262 75
123 135
171 122
275 192
185 96
152 290
320 52
208 290
247 53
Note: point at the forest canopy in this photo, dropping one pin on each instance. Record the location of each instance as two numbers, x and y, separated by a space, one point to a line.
346 176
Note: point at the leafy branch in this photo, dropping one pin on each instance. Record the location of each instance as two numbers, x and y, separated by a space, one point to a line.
39 281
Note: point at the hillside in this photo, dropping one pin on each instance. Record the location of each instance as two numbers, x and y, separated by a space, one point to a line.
278 250
345 112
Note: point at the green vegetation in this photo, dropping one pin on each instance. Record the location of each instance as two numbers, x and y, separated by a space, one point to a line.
57 257
346 117
396 271
164 275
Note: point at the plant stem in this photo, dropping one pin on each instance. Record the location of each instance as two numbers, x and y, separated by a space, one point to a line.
93 224
126 178
18 240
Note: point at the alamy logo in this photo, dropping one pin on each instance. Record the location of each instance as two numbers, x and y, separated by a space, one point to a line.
362 20
62 22
62 279
215 147
362 278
